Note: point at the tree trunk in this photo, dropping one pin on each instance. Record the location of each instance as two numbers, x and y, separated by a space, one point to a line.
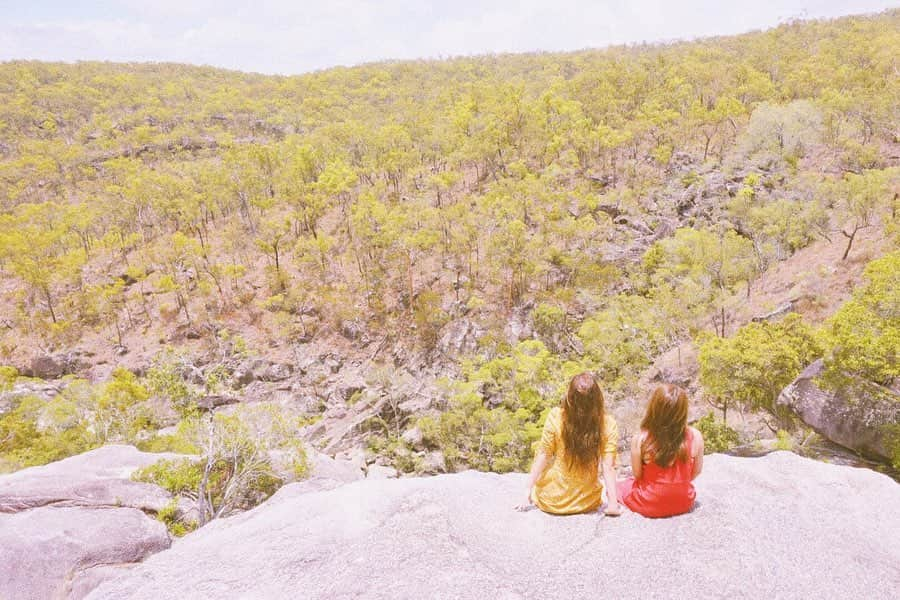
850 237
49 299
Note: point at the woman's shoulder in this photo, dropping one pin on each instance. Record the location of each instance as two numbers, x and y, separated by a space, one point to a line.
696 437
555 415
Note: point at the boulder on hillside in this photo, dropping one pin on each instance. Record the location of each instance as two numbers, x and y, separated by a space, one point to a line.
54 366
854 416
45 390
772 527
213 401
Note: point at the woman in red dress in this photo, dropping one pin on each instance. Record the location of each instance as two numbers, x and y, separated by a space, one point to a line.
666 456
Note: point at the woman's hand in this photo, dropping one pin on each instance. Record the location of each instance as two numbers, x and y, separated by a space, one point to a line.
613 511
527 504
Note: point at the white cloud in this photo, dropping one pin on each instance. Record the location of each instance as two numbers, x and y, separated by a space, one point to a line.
289 36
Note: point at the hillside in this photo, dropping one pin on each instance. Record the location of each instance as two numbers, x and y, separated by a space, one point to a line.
403 263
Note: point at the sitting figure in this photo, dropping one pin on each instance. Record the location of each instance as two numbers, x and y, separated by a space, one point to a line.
578 437
666 456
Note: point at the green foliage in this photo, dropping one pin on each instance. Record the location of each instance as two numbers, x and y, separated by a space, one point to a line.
235 469
783 440
165 380
178 476
383 193
82 417
620 340
396 451
717 435
127 203
785 132
179 442
892 440
751 368
496 412
8 376
25 443
863 337
168 515
429 317
549 320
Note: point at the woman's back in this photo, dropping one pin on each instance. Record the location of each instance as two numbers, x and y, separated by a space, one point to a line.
564 488
664 491
679 471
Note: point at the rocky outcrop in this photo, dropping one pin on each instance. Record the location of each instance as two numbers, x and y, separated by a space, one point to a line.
100 478
779 526
65 524
54 366
855 415
459 337
782 309
45 390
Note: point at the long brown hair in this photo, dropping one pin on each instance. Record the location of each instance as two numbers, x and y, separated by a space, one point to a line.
665 424
582 421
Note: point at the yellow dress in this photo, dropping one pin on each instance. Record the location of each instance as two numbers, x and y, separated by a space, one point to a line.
562 490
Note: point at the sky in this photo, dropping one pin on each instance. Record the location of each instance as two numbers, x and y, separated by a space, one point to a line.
297 36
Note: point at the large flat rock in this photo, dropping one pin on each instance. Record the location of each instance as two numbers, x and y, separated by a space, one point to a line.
43 550
779 526
66 525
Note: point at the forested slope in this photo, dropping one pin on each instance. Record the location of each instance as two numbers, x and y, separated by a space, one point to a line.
488 225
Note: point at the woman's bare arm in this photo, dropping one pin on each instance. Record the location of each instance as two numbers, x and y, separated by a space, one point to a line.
637 463
609 482
697 451
540 464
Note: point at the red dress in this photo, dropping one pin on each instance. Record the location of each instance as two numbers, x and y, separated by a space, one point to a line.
662 491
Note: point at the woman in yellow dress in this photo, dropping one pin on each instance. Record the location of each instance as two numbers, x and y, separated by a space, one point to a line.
578 438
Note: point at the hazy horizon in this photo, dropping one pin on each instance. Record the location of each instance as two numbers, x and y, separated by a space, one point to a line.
291 38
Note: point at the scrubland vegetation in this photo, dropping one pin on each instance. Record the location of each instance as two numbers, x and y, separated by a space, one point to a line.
624 200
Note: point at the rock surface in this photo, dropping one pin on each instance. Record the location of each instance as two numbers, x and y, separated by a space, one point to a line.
44 549
64 525
854 417
779 526
96 479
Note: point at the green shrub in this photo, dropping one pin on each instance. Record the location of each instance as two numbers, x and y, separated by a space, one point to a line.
8 376
549 320
496 413
783 440
892 435
167 443
164 380
862 337
168 515
178 476
717 435
749 369
24 444
396 451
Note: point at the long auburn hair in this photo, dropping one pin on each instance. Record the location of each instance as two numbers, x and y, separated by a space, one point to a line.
665 424
582 421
